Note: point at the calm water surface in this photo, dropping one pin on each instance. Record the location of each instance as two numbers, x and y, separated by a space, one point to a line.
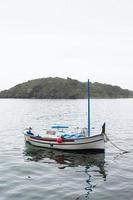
28 173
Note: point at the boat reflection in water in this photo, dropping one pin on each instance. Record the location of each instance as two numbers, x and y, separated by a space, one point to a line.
93 163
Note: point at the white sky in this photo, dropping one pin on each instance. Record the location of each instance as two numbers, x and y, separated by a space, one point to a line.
79 39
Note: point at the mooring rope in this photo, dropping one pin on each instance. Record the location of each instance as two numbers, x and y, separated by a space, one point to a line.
108 139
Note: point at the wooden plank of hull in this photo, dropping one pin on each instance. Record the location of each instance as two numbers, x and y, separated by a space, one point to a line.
95 143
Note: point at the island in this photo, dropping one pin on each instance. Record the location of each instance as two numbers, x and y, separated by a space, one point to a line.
60 88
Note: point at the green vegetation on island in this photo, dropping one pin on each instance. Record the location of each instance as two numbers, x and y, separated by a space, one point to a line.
59 88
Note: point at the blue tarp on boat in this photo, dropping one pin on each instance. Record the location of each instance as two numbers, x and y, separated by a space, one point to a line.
73 136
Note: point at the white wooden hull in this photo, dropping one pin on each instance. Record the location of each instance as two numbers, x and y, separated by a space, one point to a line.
93 143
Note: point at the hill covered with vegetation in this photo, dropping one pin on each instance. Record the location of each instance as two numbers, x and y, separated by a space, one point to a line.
53 88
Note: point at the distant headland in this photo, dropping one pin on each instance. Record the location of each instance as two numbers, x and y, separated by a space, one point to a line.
59 88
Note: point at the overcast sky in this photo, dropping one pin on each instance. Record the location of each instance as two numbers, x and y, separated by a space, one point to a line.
79 39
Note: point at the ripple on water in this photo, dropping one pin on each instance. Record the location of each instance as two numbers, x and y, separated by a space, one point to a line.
27 173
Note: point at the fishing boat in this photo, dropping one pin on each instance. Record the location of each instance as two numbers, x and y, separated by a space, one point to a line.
60 137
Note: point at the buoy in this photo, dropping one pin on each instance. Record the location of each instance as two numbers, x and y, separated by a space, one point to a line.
59 140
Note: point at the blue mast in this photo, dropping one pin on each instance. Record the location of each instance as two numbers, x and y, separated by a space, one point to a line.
88 92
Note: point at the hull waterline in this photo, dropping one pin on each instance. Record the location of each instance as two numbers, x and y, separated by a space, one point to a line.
94 143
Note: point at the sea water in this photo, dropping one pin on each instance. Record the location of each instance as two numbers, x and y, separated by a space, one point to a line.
28 173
